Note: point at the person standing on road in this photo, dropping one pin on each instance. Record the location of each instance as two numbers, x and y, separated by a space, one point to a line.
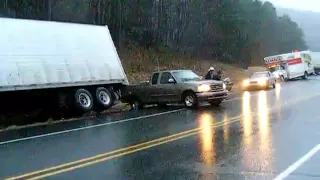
212 74
219 75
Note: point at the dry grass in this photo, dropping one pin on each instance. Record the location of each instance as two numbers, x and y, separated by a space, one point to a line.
140 63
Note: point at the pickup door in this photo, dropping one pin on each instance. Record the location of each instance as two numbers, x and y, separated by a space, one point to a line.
169 90
150 93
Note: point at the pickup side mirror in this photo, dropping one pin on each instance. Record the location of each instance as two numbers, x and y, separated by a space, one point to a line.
171 81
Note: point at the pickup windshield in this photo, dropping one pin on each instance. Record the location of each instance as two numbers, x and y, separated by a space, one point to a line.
186 76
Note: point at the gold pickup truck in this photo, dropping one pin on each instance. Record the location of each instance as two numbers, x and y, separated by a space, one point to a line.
175 86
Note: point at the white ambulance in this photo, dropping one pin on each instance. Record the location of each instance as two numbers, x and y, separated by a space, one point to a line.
291 65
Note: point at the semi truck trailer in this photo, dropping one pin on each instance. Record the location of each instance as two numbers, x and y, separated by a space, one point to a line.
56 65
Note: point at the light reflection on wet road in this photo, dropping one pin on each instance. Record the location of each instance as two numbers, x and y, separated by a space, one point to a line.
270 130
208 136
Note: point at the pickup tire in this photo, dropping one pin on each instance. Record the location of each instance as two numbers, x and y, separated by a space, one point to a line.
104 98
190 99
136 104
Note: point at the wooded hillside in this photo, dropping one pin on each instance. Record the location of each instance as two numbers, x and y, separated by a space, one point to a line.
237 31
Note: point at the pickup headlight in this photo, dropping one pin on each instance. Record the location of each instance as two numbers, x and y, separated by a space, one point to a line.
224 86
204 88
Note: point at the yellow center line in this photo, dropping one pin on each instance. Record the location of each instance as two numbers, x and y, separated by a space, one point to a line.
108 153
129 152
134 148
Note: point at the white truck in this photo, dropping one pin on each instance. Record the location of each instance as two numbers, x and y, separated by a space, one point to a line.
291 65
58 65
316 61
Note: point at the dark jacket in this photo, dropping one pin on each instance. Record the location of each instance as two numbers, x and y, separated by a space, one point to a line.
219 75
212 75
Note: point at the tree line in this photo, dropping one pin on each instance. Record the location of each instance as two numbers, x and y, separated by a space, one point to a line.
236 31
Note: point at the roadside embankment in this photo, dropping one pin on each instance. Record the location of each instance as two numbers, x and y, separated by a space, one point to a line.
138 65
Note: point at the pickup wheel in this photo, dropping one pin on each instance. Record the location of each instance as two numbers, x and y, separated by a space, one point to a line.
137 104
104 98
83 100
190 100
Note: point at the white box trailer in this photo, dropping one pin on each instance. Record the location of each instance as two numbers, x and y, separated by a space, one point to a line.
290 65
316 61
75 63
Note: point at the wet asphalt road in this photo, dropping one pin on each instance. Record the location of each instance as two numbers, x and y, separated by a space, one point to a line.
255 136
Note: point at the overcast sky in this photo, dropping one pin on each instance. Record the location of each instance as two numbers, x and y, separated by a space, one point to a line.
309 5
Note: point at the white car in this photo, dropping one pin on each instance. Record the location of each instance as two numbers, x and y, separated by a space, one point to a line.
260 80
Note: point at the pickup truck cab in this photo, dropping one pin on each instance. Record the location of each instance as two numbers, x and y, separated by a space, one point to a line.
175 86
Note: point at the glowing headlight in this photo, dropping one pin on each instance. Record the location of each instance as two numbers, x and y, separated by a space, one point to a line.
277 75
245 83
204 88
224 86
262 82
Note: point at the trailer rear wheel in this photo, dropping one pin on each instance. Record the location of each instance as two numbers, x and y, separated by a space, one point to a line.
83 100
104 98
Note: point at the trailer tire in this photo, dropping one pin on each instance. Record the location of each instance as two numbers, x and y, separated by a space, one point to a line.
83 100
104 98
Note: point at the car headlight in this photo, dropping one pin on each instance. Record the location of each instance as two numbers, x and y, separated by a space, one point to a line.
224 86
262 82
245 83
204 88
